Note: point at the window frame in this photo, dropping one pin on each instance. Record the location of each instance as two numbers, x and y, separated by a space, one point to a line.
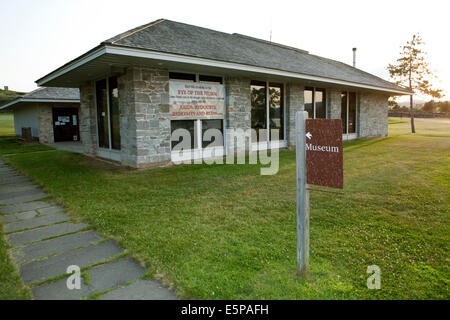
198 122
108 108
324 97
347 93
267 85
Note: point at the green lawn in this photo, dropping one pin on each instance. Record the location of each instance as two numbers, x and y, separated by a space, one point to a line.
9 144
11 286
6 124
226 232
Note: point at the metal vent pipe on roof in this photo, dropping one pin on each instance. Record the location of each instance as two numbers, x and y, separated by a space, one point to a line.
354 57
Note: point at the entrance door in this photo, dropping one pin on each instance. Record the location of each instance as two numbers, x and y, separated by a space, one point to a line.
65 124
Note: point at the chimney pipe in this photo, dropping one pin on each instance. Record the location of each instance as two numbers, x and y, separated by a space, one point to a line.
354 57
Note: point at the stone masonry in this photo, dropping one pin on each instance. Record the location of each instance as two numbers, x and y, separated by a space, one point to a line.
144 116
45 120
238 105
373 114
333 104
294 102
87 115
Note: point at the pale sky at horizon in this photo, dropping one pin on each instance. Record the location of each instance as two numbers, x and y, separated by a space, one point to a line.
40 36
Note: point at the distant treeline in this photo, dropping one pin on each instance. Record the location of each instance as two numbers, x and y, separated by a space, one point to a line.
441 107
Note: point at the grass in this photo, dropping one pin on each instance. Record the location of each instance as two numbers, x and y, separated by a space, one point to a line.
12 146
6 124
226 232
9 144
11 285
396 121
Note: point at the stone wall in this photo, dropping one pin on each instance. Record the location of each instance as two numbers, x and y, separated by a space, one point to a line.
87 115
238 106
373 114
294 102
144 116
333 104
45 119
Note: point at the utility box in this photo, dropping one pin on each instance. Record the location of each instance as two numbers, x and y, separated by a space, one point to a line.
26 134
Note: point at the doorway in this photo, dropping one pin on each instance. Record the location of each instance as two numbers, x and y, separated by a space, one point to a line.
65 124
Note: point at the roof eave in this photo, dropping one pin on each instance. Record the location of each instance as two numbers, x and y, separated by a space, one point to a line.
109 48
84 58
43 100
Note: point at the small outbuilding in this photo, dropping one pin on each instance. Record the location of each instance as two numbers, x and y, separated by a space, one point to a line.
139 87
52 114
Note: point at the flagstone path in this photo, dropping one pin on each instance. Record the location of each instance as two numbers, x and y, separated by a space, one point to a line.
45 242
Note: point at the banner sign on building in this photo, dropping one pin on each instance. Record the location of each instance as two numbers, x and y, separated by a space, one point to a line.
193 100
324 153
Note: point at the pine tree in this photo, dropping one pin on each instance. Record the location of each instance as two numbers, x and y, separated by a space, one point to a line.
413 71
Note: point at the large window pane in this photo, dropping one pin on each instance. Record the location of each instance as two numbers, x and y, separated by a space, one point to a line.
344 111
189 125
320 103
258 101
276 109
212 124
309 103
102 114
114 113
352 113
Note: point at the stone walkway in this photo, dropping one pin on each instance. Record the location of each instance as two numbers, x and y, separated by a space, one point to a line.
45 243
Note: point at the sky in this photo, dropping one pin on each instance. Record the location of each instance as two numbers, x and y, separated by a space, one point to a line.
38 36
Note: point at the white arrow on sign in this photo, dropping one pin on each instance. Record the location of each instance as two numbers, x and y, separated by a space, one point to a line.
309 135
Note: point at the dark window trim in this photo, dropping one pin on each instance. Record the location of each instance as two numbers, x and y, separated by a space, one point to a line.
325 100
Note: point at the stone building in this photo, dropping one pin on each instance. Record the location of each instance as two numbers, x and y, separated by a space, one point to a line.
139 87
50 113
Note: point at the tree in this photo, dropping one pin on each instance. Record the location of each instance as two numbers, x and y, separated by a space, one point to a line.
429 106
413 71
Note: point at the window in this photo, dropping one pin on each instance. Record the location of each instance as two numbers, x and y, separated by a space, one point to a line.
344 112
193 77
202 125
315 103
258 113
188 125
309 103
213 79
263 108
348 112
181 76
276 116
215 125
114 111
102 114
319 100
194 126
108 115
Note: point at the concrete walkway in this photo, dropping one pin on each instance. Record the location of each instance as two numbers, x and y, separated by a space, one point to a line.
45 242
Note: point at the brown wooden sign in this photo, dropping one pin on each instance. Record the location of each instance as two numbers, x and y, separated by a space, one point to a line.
324 153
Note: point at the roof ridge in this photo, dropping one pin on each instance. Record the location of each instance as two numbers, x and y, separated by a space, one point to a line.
139 29
270 42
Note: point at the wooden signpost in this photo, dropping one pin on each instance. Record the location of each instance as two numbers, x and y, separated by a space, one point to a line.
319 162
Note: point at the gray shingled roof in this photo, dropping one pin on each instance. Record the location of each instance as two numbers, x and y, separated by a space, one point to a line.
45 94
54 94
180 38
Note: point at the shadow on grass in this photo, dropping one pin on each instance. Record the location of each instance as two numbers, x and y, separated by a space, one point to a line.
350 146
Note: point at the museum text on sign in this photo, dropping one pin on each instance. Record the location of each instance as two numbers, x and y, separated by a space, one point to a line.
191 100
324 152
